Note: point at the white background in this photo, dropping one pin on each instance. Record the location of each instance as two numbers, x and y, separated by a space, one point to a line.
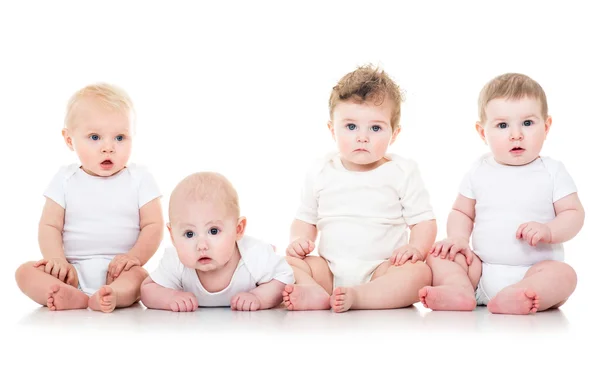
242 88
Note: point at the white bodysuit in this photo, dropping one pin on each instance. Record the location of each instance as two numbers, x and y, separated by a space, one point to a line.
102 217
258 264
362 217
506 197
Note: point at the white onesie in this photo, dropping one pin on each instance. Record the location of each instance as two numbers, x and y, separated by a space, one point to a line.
362 217
102 217
506 197
258 264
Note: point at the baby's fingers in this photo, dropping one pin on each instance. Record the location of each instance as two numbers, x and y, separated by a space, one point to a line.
130 264
188 304
455 250
40 263
118 269
437 247
62 274
444 250
71 277
520 230
298 251
405 256
469 255
234 301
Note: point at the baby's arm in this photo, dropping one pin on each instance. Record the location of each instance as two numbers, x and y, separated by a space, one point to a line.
422 236
155 296
265 296
269 294
567 223
51 245
151 231
569 218
151 234
461 218
50 230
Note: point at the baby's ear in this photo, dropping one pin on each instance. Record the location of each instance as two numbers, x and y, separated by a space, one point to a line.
241 228
548 124
330 127
68 139
480 131
395 135
170 231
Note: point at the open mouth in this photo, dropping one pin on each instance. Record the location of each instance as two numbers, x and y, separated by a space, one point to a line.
204 260
517 150
106 164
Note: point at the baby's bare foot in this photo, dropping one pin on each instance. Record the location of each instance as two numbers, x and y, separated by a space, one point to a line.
514 301
305 297
104 300
63 297
342 298
447 298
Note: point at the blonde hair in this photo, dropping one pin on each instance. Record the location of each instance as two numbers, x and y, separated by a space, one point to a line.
511 86
367 84
110 96
205 186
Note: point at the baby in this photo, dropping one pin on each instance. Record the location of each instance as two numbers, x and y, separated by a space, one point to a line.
102 220
361 200
515 206
213 262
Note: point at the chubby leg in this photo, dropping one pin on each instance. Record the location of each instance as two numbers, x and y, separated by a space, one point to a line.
547 284
453 285
313 286
119 293
47 290
390 287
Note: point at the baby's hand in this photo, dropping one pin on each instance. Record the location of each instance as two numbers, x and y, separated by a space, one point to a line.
183 302
404 254
245 301
300 248
534 232
120 263
450 247
60 269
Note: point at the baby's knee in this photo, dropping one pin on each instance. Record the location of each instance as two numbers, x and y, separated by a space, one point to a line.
569 273
22 270
422 271
296 262
139 271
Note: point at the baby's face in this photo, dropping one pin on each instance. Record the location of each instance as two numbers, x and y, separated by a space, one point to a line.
514 130
363 133
205 234
101 138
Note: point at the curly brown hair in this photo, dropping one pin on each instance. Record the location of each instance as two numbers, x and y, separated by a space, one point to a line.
367 84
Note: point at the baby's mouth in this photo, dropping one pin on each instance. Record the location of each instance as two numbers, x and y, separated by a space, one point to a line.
107 162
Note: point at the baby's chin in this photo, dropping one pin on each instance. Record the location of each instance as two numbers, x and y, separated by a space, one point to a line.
517 161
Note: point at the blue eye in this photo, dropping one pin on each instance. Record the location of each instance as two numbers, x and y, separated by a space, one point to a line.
119 138
502 125
527 123
94 137
351 126
189 234
214 231
376 128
